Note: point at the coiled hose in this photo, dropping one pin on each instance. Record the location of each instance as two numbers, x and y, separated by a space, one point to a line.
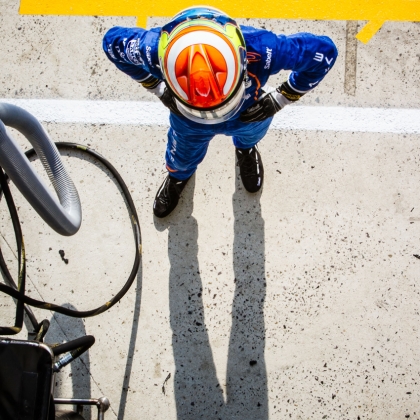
63 215
18 291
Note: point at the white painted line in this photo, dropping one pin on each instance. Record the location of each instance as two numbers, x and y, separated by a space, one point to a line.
294 117
375 120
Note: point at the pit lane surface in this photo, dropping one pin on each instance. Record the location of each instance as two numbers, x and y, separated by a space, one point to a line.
299 302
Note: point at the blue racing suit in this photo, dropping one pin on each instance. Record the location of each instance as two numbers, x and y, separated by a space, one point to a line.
135 52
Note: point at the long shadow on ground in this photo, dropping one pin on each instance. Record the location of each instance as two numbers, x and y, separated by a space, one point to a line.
74 328
198 394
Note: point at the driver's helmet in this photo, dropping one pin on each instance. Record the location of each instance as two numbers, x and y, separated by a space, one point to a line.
202 56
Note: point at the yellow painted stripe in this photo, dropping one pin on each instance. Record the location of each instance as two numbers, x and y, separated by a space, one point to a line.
375 11
369 30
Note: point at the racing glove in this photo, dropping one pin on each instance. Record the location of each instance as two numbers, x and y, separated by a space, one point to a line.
158 88
270 102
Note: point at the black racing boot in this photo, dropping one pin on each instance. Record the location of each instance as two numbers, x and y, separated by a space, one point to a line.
168 195
250 168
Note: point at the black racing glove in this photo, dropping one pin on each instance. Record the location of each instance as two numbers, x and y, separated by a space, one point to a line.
266 107
158 88
168 100
269 103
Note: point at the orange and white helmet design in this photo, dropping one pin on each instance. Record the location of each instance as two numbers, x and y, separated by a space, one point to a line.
202 56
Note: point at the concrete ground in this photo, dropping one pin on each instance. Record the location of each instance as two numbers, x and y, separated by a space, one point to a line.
298 302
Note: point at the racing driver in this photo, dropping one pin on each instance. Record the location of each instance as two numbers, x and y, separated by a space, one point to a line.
211 73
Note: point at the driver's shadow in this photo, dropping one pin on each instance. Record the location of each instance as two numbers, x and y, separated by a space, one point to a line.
198 394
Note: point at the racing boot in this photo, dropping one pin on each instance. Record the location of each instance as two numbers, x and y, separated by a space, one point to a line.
250 168
168 195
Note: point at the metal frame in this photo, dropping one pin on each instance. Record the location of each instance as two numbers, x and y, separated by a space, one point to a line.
102 404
